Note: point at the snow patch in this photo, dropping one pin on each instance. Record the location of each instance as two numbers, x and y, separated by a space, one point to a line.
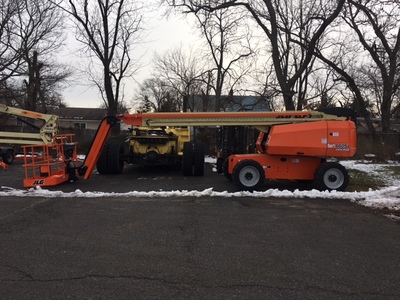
388 197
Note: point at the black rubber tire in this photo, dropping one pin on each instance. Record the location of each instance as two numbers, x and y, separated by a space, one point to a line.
187 159
248 175
114 157
8 157
101 164
198 159
220 163
331 176
110 160
225 167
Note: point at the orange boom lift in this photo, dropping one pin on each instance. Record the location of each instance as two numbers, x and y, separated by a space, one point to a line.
292 145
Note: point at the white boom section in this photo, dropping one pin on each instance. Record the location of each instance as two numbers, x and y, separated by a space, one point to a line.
46 132
261 120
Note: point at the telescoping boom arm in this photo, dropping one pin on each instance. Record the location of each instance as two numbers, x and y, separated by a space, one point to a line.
260 120
46 132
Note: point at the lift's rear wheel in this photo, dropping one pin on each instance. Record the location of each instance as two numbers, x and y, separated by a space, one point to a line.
331 176
198 159
110 160
8 157
248 175
187 159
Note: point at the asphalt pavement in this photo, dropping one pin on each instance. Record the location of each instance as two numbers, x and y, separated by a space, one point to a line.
190 247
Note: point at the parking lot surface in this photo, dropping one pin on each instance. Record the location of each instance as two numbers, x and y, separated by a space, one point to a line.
126 247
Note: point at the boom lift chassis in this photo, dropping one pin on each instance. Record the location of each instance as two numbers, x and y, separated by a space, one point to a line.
292 145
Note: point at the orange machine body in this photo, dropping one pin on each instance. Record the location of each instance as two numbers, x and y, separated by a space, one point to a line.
294 151
317 139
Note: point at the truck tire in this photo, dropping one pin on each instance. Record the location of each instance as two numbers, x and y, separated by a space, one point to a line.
187 159
198 159
248 175
101 164
331 176
110 160
225 167
220 164
8 157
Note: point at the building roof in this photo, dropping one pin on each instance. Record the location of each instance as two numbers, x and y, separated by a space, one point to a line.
229 103
246 103
79 113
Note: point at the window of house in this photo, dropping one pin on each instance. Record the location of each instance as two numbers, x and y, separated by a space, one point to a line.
80 125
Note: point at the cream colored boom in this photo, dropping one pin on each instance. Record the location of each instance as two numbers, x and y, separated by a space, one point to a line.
46 132
260 120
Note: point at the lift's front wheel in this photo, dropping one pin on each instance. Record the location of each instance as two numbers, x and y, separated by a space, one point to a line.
193 159
248 175
110 160
187 159
198 159
331 176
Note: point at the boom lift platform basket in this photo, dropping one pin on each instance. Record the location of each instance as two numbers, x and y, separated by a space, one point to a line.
50 164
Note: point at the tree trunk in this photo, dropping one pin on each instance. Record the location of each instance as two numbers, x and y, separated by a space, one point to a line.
111 101
385 111
31 96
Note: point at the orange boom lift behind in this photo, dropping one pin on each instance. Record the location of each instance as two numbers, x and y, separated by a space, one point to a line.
292 145
57 162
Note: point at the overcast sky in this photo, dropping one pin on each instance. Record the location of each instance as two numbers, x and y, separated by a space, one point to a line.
163 35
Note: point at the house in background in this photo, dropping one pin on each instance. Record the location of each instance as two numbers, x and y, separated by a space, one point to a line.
228 103
245 103
79 118
69 118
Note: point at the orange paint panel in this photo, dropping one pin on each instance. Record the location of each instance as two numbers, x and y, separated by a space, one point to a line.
260 143
47 181
317 139
308 139
280 167
292 167
342 139
96 148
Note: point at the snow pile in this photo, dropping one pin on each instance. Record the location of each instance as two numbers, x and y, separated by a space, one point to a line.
388 197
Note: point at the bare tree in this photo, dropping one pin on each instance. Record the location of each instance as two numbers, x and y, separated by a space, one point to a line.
10 56
33 36
181 71
157 96
229 43
377 25
277 21
108 29
40 30
366 58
